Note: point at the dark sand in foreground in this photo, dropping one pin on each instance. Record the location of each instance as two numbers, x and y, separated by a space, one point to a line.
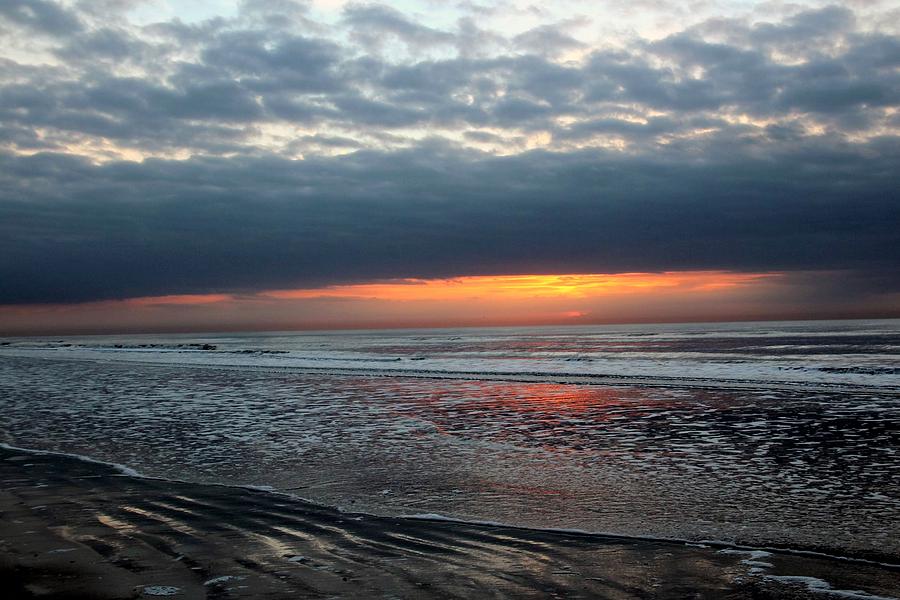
75 529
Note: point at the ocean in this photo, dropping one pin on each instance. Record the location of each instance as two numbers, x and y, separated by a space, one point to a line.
775 434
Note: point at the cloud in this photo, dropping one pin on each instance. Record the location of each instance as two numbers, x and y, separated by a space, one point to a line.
73 231
209 88
550 40
288 63
372 23
42 16
142 160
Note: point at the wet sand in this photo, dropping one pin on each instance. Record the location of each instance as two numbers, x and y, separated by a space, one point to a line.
76 529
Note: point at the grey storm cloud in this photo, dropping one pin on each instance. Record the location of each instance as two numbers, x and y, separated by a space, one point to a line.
371 23
42 16
74 231
728 145
547 39
247 77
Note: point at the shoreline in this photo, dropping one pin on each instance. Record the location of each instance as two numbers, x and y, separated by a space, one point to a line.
76 528
885 560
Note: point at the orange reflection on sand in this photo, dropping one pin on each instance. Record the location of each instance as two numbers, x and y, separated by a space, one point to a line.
529 286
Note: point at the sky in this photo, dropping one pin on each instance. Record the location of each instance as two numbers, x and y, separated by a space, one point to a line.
279 164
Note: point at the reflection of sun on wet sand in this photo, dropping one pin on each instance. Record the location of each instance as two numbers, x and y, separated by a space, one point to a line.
74 529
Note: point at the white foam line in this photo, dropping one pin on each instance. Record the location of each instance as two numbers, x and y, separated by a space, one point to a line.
799 552
223 579
813 584
820 586
729 546
126 471
564 378
123 470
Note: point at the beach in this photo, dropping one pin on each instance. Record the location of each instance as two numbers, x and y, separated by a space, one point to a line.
76 529
413 299
702 461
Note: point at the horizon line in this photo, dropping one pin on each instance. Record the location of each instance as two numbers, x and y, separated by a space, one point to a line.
348 329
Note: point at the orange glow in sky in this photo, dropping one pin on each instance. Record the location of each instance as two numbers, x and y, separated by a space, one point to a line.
183 299
541 299
523 287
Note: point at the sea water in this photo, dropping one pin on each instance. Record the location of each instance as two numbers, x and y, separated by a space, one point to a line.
754 433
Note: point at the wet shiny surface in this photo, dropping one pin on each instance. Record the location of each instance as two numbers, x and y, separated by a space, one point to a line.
763 467
78 529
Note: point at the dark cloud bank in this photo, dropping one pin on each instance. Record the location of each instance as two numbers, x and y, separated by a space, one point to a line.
72 231
702 150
